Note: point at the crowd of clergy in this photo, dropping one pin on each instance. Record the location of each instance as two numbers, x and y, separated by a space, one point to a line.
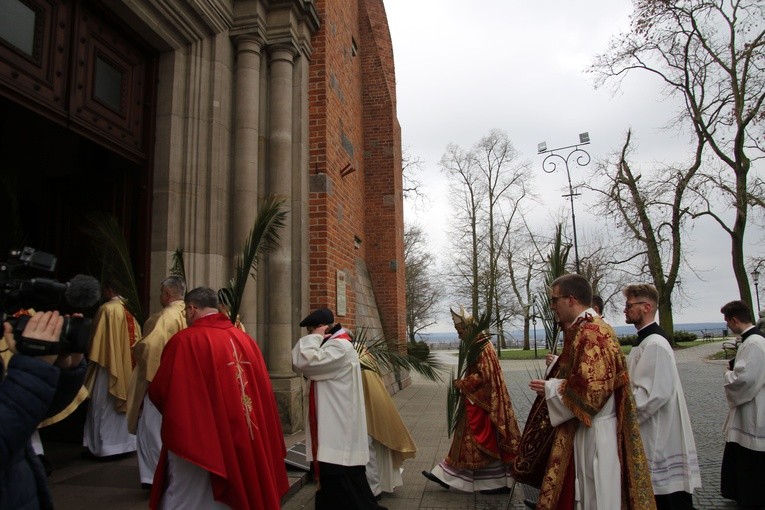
606 431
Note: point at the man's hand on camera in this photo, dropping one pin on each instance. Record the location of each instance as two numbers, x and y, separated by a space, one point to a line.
45 326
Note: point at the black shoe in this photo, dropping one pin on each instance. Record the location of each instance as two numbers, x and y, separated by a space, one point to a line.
499 490
146 486
433 478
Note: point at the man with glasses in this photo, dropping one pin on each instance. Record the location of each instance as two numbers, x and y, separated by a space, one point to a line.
665 425
743 464
597 458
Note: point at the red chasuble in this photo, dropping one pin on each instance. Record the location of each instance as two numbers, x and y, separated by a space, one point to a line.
219 412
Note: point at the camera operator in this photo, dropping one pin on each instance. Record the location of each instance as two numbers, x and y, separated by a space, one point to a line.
31 389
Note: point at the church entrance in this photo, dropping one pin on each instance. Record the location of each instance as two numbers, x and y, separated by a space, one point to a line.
77 93
76 125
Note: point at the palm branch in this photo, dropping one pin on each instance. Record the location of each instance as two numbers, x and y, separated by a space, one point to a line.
263 238
556 266
472 343
111 252
177 266
533 373
376 355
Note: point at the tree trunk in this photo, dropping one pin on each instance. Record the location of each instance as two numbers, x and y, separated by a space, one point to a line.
667 321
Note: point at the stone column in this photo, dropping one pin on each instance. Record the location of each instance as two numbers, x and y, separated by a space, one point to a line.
282 298
245 178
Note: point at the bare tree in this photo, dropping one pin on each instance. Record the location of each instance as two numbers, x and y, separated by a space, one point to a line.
464 224
650 213
422 289
598 265
711 54
489 185
411 168
525 265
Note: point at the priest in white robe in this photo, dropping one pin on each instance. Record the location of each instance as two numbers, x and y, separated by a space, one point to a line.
143 418
110 363
665 424
336 425
743 465
597 459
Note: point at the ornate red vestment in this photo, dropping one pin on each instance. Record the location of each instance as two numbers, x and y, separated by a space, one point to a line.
219 412
489 431
593 368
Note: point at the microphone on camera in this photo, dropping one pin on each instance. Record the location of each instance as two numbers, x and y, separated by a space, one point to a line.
82 291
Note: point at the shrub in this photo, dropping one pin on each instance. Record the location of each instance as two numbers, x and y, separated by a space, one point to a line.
419 349
627 339
685 336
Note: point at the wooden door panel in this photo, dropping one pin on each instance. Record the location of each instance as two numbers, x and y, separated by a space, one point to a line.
38 75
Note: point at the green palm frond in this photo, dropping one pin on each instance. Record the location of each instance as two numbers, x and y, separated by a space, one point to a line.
384 359
263 238
111 252
177 266
455 407
533 373
472 343
225 297
556 266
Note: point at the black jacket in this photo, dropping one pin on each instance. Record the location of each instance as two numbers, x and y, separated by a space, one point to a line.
31 390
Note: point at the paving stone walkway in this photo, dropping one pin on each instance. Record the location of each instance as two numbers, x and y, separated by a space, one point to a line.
79 483
423 408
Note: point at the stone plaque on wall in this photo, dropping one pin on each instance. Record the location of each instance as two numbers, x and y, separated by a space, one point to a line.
341 301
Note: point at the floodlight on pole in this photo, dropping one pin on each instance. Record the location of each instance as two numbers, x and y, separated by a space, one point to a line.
550 164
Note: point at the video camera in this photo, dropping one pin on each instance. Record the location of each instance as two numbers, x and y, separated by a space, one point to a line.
21 288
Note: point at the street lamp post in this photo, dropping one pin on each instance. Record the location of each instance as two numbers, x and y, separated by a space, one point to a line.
534 322
756 280
550 164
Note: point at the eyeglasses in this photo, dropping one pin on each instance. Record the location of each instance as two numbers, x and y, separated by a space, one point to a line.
185 310
627 306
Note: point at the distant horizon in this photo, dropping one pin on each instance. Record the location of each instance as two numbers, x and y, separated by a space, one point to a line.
691 327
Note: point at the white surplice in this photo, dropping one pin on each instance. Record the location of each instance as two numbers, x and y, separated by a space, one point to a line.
665 425
105 431
596 457
335 369
381 474
188 487
745 391
148 440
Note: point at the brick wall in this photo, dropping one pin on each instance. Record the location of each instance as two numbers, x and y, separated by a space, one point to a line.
356 208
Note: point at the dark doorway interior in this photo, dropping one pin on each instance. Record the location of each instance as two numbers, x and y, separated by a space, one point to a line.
51 178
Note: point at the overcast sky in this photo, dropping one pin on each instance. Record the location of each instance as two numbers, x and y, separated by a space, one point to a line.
465 68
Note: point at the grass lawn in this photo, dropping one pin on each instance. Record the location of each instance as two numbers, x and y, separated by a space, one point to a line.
520 354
